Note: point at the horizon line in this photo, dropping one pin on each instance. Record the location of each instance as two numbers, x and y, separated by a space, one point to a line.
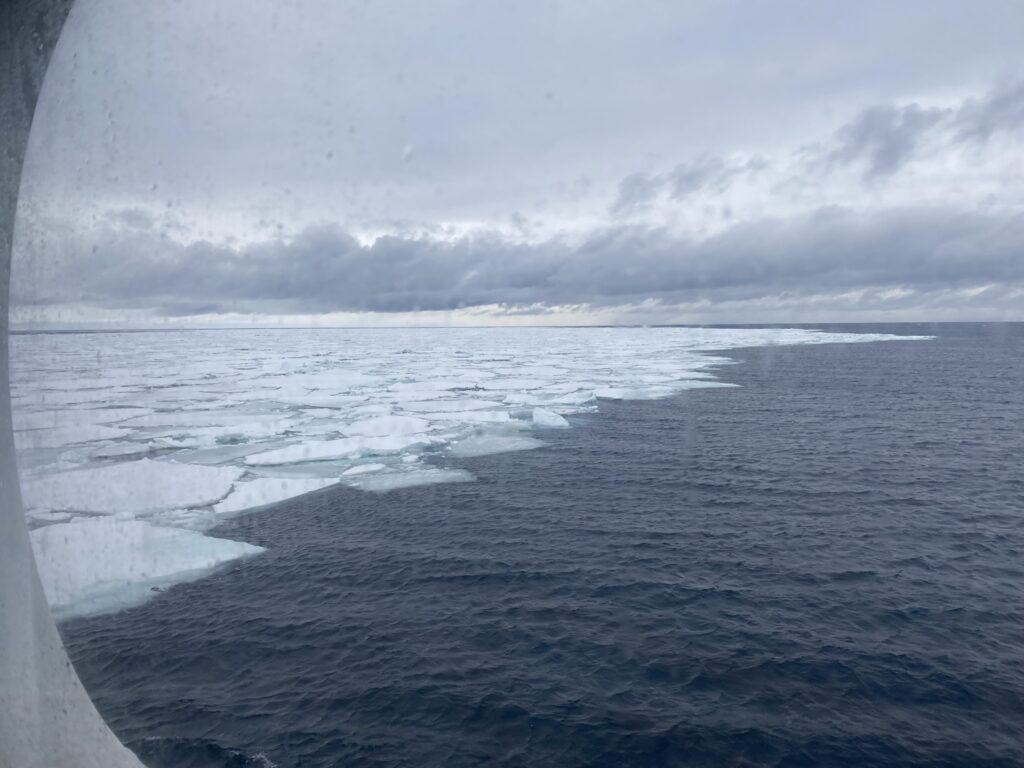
33 331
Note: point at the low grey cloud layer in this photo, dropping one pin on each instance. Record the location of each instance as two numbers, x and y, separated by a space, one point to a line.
325 269
197 160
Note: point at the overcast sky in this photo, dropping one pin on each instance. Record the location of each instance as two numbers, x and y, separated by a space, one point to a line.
483 161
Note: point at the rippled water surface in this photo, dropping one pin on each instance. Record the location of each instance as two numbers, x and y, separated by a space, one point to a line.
822 567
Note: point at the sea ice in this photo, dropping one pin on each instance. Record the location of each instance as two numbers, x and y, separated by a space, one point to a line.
319 400
545 418
363 469
94 565
268 490
238 432
67 417
311 403
122 451
72 434
472 417
489 443
135 487
447 405
391 481
324 450
705 384
633 393
511 384
383 426
184 418
574 398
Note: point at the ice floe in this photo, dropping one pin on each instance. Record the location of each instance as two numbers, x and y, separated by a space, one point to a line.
486 444
345 447
383 426
392 481
133 487
545 418
72 434
363 469
262 491
93 565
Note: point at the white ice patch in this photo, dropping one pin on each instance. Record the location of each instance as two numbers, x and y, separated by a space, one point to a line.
262 491
486 444
511 384
181 418
363 469
346 447
545 418
239 432
634 393
699 384
123 451
320 401
95 565
382 426
447 406
473 417
392 481
61 437
135 487
64 418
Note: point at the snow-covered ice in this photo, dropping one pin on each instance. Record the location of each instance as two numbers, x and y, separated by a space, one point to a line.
114 425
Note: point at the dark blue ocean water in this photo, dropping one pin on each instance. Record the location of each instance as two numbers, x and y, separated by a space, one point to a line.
823 567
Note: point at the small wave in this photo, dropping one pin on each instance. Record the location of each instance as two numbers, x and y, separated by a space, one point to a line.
174 752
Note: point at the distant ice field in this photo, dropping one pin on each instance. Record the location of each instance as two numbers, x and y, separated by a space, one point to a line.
132 445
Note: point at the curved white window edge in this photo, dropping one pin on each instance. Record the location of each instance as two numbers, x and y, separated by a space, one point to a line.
46 718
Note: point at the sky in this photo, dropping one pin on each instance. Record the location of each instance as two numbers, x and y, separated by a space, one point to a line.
474 162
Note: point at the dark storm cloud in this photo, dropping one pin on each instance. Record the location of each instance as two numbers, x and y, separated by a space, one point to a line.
325 269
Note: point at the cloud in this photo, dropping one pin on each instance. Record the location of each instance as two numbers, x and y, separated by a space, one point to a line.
635 191
710 174
885 138
687 178
907 252
1001 111
540 158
